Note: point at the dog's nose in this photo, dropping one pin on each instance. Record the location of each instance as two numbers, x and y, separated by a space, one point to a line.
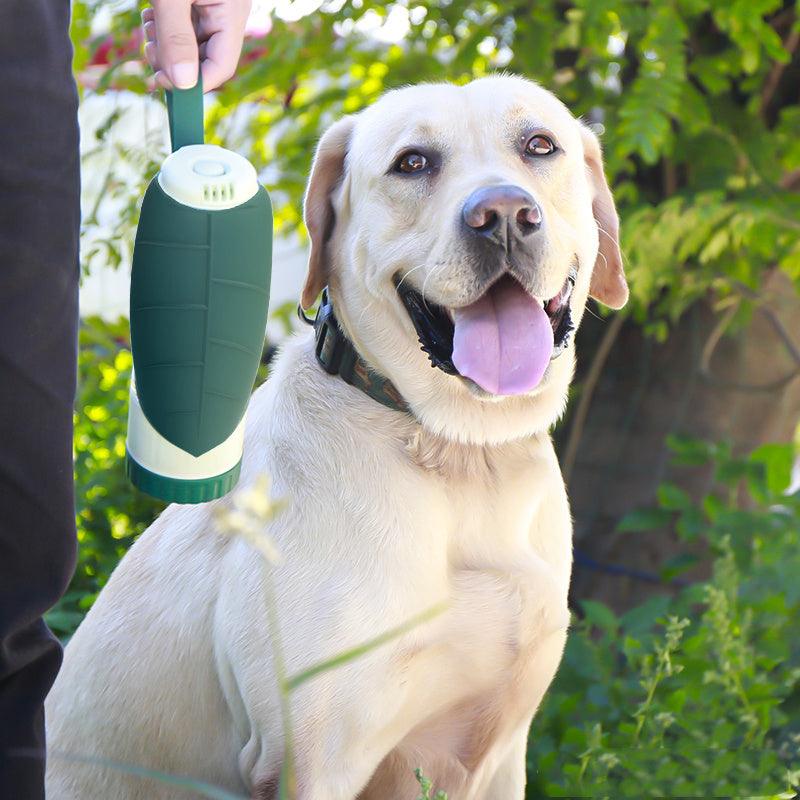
500 212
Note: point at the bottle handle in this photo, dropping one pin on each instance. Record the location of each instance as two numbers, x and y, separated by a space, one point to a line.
185 110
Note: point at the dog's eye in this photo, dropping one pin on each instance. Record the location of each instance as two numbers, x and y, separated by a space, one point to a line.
540 145
411 162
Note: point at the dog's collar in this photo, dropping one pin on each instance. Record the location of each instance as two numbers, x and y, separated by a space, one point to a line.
337 356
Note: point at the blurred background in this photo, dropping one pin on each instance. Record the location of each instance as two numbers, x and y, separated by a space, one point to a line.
682 673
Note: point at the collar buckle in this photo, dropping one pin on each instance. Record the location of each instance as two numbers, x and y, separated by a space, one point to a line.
333 350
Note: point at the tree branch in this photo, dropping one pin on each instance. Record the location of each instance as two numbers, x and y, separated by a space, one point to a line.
791 45
585 401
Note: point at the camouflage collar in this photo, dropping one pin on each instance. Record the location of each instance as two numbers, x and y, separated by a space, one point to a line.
337 356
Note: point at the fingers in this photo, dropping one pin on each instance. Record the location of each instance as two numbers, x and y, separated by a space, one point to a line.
181 33
174 36
221 29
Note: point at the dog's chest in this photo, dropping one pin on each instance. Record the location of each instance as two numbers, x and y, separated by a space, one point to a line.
504 504
474 676
507 565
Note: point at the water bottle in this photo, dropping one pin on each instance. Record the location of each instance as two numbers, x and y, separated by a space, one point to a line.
199 299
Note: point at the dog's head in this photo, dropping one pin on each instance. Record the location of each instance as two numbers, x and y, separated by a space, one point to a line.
474 220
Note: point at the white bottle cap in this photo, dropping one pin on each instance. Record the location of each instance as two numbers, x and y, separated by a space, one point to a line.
209 177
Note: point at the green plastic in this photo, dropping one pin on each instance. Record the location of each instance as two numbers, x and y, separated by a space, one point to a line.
185 110
199 302
198 308
178 490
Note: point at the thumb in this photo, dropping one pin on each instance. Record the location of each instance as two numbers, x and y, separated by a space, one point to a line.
177 41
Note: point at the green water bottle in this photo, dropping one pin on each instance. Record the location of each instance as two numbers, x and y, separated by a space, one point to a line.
198 313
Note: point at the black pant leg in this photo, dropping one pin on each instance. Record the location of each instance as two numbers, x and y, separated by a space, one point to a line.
39 225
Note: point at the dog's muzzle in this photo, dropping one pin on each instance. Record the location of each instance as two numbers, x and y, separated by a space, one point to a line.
435 326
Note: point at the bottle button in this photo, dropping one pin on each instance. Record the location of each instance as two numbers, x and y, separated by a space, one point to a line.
209 168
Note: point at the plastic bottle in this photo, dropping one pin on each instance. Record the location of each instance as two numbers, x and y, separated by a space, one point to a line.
198 312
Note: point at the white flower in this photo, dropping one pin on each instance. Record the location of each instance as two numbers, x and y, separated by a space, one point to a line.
247 514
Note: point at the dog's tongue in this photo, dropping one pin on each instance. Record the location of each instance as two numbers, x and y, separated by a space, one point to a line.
504 341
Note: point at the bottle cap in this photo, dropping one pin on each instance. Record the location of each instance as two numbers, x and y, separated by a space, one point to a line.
208 177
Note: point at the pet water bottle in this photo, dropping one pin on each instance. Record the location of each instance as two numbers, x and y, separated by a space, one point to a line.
198 313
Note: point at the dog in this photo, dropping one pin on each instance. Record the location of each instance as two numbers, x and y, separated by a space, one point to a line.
457 232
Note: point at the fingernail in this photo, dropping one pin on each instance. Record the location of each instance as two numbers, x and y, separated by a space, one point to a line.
184 75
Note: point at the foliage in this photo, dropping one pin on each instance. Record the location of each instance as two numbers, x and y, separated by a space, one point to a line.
698 101
427 787
110 513
684 91
116 171
706 703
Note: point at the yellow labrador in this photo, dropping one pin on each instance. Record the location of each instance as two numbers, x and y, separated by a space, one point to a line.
459 231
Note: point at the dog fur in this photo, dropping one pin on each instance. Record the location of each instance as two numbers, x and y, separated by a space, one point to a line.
390 514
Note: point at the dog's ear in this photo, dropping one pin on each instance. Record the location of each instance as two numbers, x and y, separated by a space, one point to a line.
326 172
608 284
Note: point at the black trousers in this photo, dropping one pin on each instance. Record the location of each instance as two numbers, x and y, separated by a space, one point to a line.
39 226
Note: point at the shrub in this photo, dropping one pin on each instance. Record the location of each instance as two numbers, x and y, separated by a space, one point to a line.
110 513
703 703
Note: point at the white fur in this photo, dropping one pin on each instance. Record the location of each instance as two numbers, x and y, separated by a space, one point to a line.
389 515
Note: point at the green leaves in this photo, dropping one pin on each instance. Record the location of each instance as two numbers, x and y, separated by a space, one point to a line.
702 129
695 693
427 787
777 460
655 96
110 512
745 23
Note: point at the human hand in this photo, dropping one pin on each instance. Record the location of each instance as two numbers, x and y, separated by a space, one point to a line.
179 34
